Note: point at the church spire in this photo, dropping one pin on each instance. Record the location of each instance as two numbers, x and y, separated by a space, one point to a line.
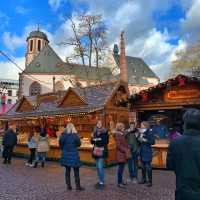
122 61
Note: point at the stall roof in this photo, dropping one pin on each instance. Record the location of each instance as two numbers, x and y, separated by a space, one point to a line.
173 93
94 99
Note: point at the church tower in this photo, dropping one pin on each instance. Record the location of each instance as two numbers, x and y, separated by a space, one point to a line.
35 43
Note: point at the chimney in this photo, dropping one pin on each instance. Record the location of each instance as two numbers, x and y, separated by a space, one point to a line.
54 89
122 60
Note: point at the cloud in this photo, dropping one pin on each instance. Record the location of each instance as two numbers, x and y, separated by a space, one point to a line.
55 4
191 23
163 67
12 41
21 10
142 38
10 71
4 20
135 18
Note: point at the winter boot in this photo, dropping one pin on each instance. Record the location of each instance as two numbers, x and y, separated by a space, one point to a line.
143 181
68 182
78 185
35 165
149 183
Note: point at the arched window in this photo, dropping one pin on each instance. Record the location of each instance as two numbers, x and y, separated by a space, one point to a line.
31 45
39 45
35 89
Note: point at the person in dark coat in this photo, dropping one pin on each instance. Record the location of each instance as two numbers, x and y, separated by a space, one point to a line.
123 152
9 142
100 140
183 158
146 154
132 135
69 143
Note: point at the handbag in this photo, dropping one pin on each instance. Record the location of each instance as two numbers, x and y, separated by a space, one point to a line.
98 151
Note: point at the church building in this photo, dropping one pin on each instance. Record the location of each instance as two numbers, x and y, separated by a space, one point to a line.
46 72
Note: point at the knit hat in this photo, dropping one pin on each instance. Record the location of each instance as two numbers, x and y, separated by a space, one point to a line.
191 119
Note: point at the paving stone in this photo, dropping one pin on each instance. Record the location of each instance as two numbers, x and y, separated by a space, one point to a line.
18 182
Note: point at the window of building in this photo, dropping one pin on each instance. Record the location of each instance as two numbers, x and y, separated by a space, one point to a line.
39 45
9 93
9 101
35 89
31 45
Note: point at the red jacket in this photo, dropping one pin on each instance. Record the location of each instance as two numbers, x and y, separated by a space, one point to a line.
122 148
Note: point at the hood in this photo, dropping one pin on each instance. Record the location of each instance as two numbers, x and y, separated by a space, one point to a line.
192 122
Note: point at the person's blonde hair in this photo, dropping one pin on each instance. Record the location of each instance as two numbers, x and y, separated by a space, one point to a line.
70 128
119 126
145 124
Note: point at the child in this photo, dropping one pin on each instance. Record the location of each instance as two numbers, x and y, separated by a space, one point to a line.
32 144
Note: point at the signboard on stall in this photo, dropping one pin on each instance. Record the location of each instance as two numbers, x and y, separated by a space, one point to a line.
180 94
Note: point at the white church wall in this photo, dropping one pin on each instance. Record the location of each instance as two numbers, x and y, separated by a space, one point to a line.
46 82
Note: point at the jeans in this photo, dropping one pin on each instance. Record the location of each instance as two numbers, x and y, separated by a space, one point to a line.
68 177
133 165
146 168
32 156
7 153
120 172
41 156
100 169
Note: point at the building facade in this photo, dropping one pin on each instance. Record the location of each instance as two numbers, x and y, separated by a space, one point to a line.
8 94
9 91
46 72
140 75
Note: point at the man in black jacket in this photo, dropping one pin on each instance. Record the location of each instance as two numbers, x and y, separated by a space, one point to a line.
184 158
9 141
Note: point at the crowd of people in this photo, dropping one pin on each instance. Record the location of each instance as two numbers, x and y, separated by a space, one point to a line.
132 145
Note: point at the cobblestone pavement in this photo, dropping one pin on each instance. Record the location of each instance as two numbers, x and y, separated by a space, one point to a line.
18 182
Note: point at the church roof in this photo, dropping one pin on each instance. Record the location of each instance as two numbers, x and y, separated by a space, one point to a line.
137 69
37 34
47 61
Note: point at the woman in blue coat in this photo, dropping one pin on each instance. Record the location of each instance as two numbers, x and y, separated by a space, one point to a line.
146 154
69 143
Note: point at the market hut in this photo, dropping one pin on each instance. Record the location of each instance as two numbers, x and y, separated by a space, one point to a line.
163 106
82 106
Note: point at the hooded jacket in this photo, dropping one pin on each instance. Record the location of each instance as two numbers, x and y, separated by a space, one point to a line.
184 158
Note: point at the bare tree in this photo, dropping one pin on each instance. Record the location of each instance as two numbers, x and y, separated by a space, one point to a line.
88 24
99 43
75 41
188 61
89 36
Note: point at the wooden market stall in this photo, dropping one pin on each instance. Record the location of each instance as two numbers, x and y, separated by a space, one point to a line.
81 106
163 106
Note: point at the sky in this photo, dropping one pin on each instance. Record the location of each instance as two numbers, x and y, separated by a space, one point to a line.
154 29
